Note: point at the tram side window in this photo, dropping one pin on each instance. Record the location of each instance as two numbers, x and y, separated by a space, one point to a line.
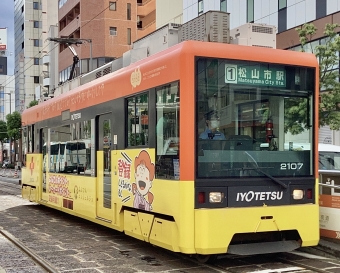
60 161
167 131
78 150
30 144
138 122
43 145
24 144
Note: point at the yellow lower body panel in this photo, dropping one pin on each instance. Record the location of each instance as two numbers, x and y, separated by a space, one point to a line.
164 233
215 228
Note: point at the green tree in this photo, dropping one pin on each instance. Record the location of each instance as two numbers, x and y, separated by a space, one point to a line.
33 103
14 125
327 54
3 131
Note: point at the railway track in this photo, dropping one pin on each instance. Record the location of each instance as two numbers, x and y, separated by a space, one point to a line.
123 249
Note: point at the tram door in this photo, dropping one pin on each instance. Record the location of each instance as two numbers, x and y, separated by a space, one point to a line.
104 185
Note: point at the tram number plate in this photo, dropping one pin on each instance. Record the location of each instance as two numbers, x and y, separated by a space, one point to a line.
291 166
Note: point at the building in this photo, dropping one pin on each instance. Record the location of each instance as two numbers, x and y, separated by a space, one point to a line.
169 11
6 82
104 30
286 15
32 20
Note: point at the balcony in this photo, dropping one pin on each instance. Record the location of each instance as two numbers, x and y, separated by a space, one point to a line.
146 7
46 59
46 82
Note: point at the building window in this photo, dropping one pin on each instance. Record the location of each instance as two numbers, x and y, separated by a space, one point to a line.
113 6
36 61
321 8
1 68
282 4
223 5
22 45
36 79
22 9
35 5
22 27
36 24
129 36
282 20
36 42
113 31
200 7
250 11
128 10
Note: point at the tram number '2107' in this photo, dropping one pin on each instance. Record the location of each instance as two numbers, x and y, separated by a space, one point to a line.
291 166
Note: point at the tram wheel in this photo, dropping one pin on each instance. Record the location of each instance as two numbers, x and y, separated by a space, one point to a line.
205 258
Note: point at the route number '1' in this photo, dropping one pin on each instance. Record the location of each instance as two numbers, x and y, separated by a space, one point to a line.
230 73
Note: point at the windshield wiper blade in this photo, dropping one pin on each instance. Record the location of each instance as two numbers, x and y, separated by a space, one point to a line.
257 168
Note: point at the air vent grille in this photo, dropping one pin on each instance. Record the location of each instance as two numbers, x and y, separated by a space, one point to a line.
262 29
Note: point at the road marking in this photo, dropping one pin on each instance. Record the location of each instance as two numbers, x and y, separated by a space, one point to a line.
279 270
309 256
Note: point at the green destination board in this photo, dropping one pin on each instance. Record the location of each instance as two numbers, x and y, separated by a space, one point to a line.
255 75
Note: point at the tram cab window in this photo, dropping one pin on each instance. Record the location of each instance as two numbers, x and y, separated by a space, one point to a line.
258 125
167 131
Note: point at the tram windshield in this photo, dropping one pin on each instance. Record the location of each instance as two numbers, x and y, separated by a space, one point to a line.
253 119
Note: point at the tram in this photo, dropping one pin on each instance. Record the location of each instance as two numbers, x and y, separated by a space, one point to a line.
190 149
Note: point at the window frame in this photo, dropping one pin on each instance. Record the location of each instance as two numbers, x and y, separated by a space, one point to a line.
200 7
113 6
128 11
113 31
36 5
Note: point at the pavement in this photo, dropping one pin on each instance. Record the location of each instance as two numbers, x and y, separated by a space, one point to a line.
327 247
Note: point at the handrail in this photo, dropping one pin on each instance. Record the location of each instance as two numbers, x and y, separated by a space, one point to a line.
329 186
143 28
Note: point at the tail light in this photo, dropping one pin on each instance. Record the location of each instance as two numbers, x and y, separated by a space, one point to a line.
309 194
201 197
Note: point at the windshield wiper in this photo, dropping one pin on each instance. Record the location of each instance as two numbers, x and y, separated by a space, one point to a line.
258 169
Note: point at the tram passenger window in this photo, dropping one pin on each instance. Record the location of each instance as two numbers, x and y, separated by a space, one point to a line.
138 122
167 131
30 144
43 145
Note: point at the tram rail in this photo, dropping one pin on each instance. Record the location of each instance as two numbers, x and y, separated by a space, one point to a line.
36 258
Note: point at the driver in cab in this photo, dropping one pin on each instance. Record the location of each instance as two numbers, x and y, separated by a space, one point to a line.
212 122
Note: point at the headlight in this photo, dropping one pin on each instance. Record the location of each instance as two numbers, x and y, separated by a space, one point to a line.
297 194
216 197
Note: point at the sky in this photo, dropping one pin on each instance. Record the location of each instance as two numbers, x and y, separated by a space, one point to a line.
7 21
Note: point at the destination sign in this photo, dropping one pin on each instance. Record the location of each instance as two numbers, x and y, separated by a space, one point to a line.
255 75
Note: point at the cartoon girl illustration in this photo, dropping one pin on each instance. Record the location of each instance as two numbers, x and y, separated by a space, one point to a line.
144 175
